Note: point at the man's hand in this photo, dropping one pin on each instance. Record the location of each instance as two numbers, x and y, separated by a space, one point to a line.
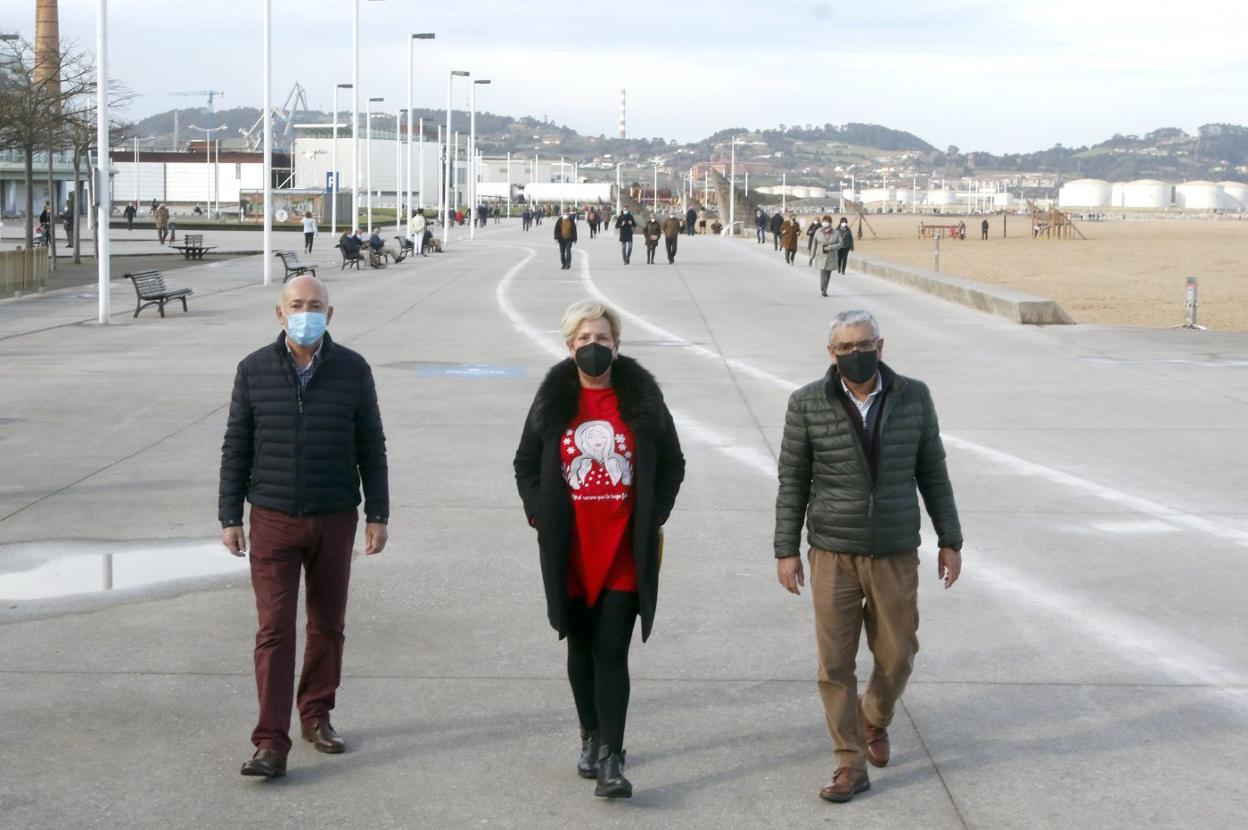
789 572
235 540
375 536
949 565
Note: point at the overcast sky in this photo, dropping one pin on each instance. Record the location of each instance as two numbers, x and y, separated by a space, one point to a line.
992 75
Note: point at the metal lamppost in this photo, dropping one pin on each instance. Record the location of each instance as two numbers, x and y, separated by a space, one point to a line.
411 68
137 174
267 116
472 156
446 184
618 191
563 182
732 190
656 188
368 159
355 111
333 183
398 171
103 193
208 131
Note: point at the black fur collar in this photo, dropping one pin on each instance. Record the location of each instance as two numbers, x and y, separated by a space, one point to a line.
557 398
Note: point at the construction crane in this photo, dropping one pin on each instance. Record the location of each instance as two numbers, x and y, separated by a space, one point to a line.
211 93
283 120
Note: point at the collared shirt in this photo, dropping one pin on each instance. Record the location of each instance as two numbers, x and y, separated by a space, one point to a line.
865 406
305 374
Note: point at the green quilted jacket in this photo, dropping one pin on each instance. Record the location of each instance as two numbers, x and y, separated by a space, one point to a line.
826 480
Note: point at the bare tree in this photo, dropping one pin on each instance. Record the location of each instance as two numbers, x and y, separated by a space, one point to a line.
32 107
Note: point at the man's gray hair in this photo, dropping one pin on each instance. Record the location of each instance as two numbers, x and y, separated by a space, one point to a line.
851 318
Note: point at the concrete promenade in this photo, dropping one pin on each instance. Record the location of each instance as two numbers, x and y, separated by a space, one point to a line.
1089 669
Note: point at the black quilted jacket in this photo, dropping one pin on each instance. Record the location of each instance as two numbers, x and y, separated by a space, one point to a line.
305 452
826 478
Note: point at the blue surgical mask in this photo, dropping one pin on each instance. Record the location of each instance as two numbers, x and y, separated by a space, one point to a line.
307 327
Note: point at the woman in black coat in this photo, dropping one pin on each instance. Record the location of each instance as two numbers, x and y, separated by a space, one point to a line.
598 468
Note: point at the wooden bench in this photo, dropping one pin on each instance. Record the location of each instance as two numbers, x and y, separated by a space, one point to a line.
193 246
150 288
290 260
349 260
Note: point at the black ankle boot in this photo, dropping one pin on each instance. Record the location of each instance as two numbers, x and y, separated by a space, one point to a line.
587 767
611 780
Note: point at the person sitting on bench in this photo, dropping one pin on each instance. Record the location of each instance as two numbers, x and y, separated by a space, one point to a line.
379 249
350 244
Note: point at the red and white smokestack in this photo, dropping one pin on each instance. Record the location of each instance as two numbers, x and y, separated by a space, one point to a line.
622 98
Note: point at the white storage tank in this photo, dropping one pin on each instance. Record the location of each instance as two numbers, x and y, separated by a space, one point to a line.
818 192
940 198
1115 194
905 194
1235 195
800 192
1199 195
1093 193
1147 193
876 195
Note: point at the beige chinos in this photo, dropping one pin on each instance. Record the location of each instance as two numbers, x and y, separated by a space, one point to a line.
853 592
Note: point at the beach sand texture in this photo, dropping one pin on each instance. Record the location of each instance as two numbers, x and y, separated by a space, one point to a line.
1127 272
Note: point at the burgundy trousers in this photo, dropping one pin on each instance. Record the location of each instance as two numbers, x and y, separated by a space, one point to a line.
281 547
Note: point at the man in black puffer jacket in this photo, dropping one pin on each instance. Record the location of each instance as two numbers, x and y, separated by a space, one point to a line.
857 446
304 431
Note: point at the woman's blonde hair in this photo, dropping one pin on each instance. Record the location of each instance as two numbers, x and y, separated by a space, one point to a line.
583 310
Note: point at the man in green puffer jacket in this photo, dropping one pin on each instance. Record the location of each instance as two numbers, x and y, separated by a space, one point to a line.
859 447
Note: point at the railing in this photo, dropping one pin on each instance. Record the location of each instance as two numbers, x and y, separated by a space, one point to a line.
22 272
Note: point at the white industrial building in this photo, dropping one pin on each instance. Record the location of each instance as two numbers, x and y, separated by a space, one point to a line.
1198 195
1235 195
1148 194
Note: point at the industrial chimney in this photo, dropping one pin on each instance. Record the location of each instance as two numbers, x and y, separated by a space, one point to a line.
622 97
48 46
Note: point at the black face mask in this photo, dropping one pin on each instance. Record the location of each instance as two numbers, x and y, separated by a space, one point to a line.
858 367
594 359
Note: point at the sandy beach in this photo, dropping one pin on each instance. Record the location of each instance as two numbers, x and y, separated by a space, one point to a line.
1127 272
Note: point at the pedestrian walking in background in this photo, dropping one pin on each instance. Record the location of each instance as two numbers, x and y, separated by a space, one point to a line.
671 235
304 431
777 220
309 231
826 242
702 222
691 217
68 219
650 232
598 469
811 229
860 445
565 235
526 219
129 214
591 219
844 244
790 230
983 228
625 224
161 216
760 225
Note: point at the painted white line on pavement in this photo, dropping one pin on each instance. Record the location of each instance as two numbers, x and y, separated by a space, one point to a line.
1150 646
1179 658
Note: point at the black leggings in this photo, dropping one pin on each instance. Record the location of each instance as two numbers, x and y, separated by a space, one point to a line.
842 257
598 641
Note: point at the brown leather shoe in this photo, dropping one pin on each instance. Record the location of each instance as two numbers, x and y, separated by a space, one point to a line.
879 748
266 763
323 738
846 783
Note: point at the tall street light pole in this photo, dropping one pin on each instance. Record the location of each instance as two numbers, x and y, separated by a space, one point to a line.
732 190
472 156
333 182
411 69
103 193
398 171
268 141
368 159
446 183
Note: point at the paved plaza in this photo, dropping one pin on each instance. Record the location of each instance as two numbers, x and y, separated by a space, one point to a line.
1090 668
